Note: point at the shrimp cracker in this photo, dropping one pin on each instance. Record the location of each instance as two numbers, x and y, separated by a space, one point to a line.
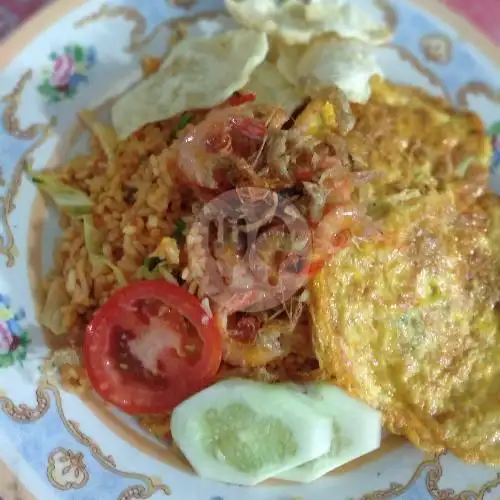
298 22
198 73
272 88
329 62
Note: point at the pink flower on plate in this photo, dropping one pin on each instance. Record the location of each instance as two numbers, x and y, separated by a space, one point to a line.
64 67
5 339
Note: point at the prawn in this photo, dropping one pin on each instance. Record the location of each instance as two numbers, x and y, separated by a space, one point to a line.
237 353
223 133
251 344
334 232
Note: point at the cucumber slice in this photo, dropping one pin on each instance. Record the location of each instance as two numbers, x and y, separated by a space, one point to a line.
357 430
244 432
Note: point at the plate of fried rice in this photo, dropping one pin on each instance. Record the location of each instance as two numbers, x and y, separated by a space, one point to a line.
250 252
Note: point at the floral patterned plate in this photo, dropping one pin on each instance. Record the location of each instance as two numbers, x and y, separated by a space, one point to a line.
81 54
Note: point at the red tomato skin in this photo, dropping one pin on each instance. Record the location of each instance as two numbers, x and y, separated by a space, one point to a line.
134 397
238 99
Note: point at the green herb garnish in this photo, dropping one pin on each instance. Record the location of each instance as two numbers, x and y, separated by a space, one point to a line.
155 268
180 229
183 121
151 263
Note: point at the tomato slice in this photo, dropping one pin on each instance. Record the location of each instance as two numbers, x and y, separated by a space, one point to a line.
150 347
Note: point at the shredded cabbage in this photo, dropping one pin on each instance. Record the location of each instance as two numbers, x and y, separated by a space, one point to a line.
155 267
68 199
93 243
91 236
51 315
100 260
105 134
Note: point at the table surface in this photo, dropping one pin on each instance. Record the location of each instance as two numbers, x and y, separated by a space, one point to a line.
484 14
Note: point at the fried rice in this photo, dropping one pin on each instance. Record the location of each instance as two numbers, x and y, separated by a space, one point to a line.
137 203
